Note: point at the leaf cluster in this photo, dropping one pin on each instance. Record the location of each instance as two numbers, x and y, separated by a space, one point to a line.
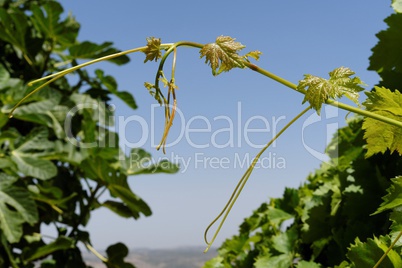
323 222
348 212
58 152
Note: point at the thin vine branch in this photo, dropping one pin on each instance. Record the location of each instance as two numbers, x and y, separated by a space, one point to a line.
239 187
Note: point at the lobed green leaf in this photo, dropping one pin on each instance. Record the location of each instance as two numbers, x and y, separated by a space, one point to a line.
382 136
223 55
319 90
153 49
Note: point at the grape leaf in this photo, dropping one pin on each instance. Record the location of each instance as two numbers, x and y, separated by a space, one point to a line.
223 54
339 84
306 264
393 198
397 5
253 54
386 54
396 226
153 51
367 254
381 136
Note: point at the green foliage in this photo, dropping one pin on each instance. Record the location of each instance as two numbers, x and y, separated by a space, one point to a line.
386 59
339 84
381 136
153 49
58 154
348 213
223 55
397 5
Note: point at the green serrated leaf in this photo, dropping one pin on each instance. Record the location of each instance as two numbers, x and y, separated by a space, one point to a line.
280 261
397 5
366 255
223 55
153 49
285 242
23 208
278 216
386 54
319 90
381 136
396 226
393 199
253 54
307 264
216 262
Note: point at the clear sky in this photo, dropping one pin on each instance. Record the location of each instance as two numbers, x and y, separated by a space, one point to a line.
221 116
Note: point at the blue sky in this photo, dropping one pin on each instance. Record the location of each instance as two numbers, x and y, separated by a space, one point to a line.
296 38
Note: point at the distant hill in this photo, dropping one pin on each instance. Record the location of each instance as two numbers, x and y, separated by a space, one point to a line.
186 257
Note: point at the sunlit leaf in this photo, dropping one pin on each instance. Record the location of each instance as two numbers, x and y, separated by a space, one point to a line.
397 5
306 264
382 136
153 50
253 54
319 90
223 55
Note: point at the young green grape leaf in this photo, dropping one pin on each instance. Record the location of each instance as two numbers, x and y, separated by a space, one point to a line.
367 254
154 93
393 199
153 50
340 83
381 136
223 55
253 54
397 5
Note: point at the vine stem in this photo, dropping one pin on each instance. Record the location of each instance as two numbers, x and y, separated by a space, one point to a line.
60 74
96 253
239 187
388 250
329 101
